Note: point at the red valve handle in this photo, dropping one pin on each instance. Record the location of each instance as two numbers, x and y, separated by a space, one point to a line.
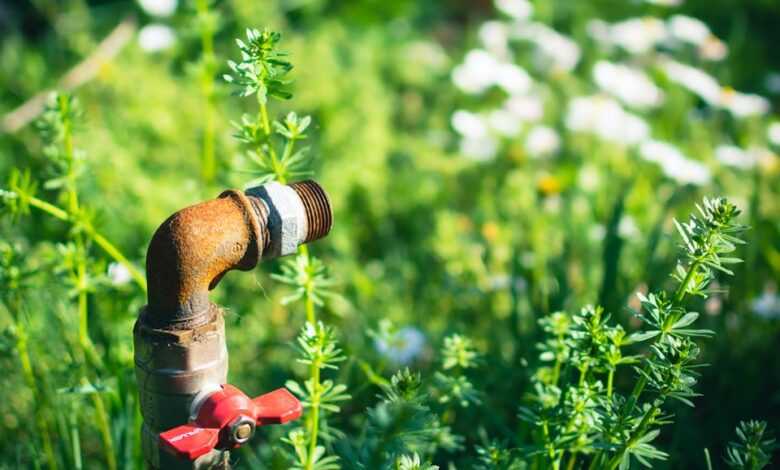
227 418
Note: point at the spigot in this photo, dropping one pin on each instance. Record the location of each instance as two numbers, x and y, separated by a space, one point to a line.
226 418
180 347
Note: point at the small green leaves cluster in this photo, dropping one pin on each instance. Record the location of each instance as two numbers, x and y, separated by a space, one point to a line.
262 72
401 426
262 69
753 448
452 383
308 277
574 408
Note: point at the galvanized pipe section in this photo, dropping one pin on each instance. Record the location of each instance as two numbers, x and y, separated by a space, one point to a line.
179 336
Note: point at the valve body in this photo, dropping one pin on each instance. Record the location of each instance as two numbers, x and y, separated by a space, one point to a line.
179 337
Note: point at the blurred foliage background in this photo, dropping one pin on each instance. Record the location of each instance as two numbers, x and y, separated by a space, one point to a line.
435 232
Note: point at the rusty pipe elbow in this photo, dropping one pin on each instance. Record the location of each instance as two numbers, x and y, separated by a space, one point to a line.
191 251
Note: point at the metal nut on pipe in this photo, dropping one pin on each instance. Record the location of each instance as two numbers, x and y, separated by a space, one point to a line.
180 347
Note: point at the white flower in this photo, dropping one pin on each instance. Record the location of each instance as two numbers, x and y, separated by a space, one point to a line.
734 156
773 133
627 227
518 9
469 124
687 29
529 108
402 347
637 35
605 118
673 163
713 49
504 122
695 80
494 35
588 179
628 84
665 3
558 51
513 79
161 8
156 37
477 72
479 148
542 141
768 304
744 104
119 274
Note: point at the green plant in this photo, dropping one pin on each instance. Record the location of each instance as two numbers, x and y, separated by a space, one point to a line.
753 448
262 73
575 408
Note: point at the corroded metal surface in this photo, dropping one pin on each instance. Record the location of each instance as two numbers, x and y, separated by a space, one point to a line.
179 336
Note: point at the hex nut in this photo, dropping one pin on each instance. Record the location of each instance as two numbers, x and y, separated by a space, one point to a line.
287 223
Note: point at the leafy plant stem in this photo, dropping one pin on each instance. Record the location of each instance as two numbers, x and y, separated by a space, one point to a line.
207 87
94 235
29 377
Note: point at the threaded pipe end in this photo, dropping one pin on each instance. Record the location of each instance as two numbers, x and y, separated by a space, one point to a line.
319 214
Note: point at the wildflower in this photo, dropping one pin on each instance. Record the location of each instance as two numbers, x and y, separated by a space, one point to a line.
517 9
494 36
469 124
480 149
768 304
402 347
548 185
588 179
713 49
628 84
605 118
542 141
558 52
688 29
161 8
635 35
526 108
119 274
665 3
674 164
156 37
743 104
513 79
773 133
505 122
477 72
733 156
695 80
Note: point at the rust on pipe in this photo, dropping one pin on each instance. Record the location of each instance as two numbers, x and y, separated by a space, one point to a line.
195 247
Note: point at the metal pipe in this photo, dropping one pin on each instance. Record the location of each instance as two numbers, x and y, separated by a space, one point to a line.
180 349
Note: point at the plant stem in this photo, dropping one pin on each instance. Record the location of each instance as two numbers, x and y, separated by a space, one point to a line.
636 435
314 417
207 87
94 235
104 427
610 380
572 461
29 377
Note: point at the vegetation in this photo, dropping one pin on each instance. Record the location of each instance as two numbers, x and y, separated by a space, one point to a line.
555 241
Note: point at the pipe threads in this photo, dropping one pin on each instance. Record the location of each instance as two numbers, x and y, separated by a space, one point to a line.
319 214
